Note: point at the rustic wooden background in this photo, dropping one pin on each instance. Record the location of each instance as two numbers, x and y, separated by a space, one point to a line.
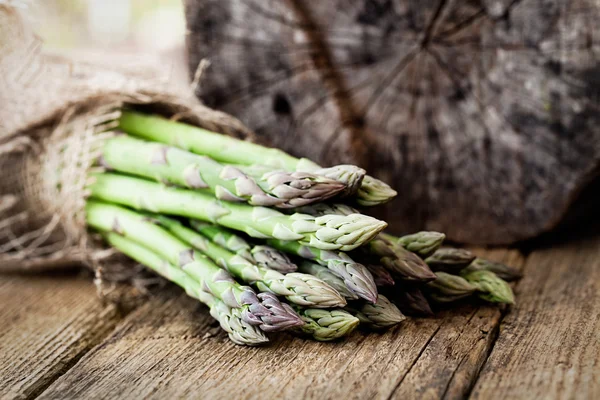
484 114
58 341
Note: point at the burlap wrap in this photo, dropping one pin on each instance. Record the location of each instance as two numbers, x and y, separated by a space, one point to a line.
54 113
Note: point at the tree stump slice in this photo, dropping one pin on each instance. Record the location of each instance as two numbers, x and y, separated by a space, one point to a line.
484 115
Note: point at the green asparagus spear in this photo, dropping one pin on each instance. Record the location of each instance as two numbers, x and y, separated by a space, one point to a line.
373 192
261 255
356 277
410 300
450 260
490 286
399 261
234 151
263 309
381 276
381 315
423 243
503 271
327 232
258 186
447 288
302 289
350 175
326 325
329 277
230 319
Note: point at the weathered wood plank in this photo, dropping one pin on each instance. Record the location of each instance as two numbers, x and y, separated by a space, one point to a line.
549 345
164 350
46 324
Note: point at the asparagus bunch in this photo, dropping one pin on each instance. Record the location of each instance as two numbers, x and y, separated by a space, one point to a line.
213 214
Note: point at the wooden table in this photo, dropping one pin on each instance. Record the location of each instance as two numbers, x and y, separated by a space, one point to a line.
58 341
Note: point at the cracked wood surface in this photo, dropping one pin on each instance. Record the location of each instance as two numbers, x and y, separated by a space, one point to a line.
489 108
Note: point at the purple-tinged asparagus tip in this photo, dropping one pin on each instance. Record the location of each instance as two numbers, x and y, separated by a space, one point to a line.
279 316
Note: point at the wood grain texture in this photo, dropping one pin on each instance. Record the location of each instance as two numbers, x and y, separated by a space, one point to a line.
46 324
488 108
549 345
169 348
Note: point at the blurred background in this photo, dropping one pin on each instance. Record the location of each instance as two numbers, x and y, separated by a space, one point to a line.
146 31
116 25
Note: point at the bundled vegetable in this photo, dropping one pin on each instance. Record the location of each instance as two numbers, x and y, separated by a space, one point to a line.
245 230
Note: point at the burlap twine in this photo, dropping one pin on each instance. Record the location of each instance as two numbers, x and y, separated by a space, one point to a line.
54 114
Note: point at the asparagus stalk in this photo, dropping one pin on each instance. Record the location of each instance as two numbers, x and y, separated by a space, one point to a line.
220 147
230 319
258 186
490 286
399 261
350 175
381 315
234 151
373 192
355 276
448 288
329 232
261 255
450 260
503 271
326 325
381 276
302 289
328 277
410 300
423 243
263 309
